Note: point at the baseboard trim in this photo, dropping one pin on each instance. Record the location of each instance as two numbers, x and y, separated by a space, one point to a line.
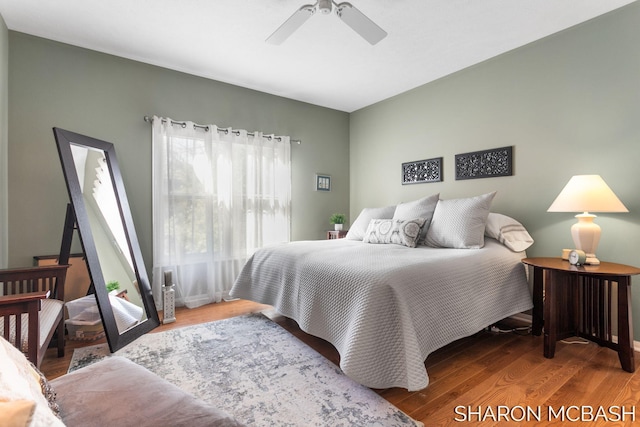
522 317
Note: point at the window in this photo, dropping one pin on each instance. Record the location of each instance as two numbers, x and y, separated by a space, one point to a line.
218 196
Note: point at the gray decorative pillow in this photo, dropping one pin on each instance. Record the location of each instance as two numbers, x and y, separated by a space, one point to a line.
47 391
359 226
460 223
395 231
421 208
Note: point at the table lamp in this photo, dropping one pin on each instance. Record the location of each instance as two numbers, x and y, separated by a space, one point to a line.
587 193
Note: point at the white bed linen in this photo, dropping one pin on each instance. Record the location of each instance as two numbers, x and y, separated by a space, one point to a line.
387 307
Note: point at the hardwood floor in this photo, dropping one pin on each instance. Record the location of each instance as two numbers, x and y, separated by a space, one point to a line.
486 379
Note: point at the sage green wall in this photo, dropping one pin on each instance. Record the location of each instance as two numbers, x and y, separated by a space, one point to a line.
4 96
106 97
569 104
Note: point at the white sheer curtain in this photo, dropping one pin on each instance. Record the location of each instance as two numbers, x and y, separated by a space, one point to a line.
218 195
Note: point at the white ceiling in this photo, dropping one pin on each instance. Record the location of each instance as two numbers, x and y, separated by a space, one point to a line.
324 62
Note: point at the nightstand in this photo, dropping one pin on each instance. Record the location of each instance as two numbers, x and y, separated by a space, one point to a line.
571 300
335 234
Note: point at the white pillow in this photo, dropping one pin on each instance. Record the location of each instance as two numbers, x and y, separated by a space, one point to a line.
421 208
20 381
508 231
395 231
359 226
460 223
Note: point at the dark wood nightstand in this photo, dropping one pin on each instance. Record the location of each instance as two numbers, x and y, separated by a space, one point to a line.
571 300
335 234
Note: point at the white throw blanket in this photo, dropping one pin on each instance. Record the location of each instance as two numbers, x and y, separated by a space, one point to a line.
387 307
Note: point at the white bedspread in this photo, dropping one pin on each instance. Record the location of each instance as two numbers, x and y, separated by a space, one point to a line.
387 307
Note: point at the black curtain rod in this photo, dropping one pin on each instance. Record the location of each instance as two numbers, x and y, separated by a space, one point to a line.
221 130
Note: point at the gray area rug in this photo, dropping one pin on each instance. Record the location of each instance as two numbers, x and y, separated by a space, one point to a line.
257 371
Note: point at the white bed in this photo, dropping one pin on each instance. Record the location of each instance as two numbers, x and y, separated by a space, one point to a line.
386 307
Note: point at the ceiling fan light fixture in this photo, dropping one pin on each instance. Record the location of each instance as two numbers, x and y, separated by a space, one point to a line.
360 23
294 22
325 6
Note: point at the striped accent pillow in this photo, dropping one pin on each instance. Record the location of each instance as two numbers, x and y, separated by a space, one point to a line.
508 231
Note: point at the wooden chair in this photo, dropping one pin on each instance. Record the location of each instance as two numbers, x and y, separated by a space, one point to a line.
32 308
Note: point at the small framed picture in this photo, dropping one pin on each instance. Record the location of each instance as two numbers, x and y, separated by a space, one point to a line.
323 182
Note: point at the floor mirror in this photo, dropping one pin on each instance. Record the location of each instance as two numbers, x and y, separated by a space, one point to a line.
100 210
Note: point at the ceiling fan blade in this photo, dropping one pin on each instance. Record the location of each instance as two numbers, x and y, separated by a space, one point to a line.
359 22
292 24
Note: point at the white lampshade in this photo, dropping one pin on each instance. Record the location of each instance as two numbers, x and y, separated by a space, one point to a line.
584 193
587 193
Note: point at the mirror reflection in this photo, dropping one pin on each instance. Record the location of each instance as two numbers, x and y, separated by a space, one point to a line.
109 236
100 211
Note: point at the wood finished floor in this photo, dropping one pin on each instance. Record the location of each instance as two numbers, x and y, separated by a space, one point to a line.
484 372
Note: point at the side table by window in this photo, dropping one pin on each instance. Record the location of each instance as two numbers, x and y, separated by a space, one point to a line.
335 234
585 301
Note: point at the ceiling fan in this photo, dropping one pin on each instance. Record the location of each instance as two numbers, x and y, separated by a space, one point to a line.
351 16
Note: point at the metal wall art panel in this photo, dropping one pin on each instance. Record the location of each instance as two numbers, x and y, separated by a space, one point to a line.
485 164
421 171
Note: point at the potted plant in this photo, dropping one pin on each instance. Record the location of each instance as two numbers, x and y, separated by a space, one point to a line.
113 286
337 220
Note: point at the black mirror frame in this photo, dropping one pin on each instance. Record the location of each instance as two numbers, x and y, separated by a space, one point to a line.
115 339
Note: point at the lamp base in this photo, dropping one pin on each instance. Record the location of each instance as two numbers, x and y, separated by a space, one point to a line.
586 236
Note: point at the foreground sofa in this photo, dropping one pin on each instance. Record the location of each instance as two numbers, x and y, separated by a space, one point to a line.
112 392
